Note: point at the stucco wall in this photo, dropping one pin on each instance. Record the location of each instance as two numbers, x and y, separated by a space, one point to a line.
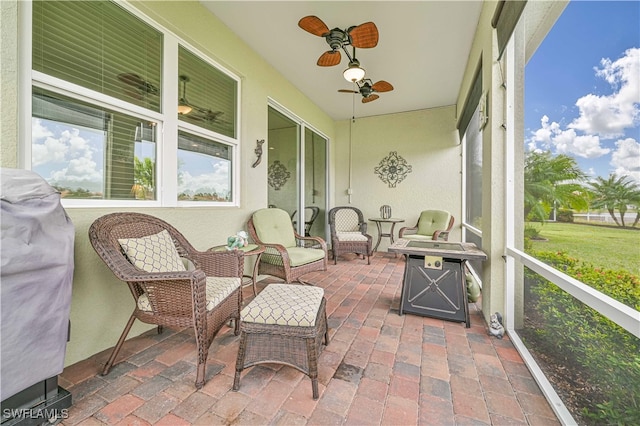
8 82
426 139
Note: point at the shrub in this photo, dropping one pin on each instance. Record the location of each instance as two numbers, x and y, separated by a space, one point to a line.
608 354
565 215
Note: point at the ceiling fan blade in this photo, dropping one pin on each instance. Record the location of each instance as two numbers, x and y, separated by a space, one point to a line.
133 94
314 25
347 91
329 58
382 86
364 36
370 98
131 79
138 82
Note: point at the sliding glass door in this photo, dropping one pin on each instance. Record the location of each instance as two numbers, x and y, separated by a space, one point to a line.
297 178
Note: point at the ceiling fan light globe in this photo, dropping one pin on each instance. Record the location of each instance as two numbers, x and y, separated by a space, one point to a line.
184 109
354 73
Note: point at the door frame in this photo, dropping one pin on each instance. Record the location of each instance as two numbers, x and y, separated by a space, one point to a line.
301 190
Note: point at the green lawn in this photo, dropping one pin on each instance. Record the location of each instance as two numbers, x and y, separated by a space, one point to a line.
603 247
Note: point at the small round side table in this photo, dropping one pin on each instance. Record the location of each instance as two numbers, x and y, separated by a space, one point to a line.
249 250
379 221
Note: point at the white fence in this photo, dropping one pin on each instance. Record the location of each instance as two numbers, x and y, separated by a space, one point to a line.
604 217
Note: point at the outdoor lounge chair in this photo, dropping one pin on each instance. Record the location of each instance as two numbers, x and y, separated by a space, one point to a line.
432 225
150 255
288 255
349 233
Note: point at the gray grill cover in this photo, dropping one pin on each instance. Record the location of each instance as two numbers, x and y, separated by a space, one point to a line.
36 274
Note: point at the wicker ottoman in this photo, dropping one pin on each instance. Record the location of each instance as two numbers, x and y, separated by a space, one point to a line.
284 324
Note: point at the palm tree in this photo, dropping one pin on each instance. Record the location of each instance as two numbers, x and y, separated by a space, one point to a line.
144 178
550 181
615 192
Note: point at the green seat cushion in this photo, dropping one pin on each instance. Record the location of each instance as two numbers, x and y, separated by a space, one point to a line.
285 304
273 226
417 237
432 220
298 256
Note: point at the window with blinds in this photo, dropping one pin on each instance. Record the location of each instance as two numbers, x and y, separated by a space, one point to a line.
90 152
100 46
107 149
204 169
207 95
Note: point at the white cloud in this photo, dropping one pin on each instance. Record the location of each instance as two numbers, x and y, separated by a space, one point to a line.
609 115
626 158
79 170
550 135
66 159
52 150
585 146
38 130
218 180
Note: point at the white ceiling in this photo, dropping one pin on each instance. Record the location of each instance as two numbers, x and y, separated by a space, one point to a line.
422 49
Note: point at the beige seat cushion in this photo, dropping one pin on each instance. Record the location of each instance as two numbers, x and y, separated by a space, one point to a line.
351 236
285 304
347 220
218 288
153 253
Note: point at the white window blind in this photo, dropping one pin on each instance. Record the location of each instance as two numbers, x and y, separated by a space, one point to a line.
211 94
100 46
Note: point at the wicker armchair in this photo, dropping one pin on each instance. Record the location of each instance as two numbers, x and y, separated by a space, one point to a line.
288 255
310 215
149 255
432 225
349 233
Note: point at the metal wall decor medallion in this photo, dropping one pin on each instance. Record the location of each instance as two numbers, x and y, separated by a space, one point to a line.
278 175
393 169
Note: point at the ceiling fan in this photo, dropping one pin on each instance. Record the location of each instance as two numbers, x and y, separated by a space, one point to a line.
367 89
140 87
194 111
362 36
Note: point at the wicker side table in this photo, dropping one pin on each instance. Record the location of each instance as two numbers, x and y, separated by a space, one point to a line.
284 324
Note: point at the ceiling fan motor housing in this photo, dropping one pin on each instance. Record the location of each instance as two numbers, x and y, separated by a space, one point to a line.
365 90
336 38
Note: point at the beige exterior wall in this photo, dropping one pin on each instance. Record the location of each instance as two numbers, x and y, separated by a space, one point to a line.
426 139
8 83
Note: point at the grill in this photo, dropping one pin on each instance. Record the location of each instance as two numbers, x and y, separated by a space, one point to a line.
35 282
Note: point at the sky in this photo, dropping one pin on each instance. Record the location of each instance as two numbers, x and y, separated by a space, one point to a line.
73 157
582 88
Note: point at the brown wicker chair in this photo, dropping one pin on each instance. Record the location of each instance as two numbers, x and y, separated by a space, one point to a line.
310 215
349 232
205 297
288 255
432 225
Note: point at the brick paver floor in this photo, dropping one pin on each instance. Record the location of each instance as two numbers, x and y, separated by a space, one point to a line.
379 368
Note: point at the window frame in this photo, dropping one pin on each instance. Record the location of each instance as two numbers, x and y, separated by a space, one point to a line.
519 48
470 232
167 119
